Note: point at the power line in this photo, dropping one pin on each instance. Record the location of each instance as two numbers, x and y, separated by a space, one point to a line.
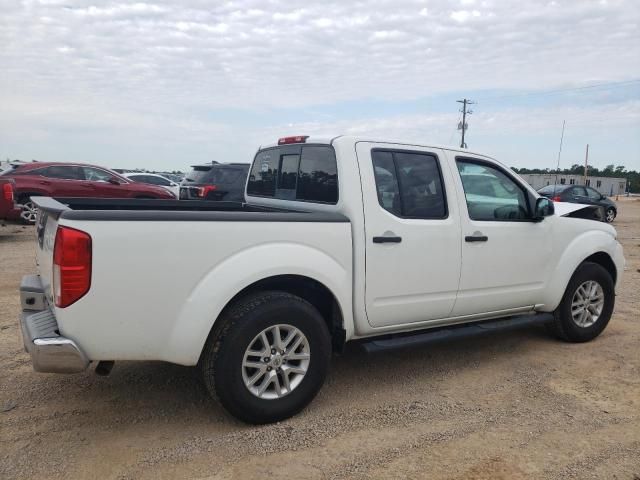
563 90
463 125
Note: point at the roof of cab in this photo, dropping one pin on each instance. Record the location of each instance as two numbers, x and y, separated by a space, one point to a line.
374 139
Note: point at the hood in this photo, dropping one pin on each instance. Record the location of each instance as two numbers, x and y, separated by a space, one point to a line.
564 209
593 213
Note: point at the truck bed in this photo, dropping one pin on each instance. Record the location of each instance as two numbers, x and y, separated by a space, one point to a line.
163 270
125 209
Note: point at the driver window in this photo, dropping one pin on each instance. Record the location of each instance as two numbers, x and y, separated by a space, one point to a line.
96 175
593 195
409 184
491 194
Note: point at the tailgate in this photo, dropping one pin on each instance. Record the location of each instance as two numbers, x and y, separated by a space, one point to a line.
49 211
46 227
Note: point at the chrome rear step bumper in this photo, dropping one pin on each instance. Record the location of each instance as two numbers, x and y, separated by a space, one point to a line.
50 352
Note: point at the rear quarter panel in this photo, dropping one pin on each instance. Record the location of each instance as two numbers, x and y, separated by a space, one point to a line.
158 287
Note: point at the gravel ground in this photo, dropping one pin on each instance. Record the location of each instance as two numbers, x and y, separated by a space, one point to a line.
515 405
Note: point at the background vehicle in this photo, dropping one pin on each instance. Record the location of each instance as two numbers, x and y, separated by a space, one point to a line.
215 181
74 180
584 195
341 239
154 179
8 209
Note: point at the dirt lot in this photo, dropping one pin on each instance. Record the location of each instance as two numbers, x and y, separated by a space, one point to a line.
514 405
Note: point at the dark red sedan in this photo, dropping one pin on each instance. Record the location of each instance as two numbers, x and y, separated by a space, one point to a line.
73 180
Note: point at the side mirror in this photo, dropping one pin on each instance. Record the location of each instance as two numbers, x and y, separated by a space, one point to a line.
543 208
114 181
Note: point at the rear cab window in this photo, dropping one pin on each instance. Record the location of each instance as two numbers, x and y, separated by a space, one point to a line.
302 173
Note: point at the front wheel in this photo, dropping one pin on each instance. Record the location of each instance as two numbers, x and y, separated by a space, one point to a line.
268 358
610 215
587 304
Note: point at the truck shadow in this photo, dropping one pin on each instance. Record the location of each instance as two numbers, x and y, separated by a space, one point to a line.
151 392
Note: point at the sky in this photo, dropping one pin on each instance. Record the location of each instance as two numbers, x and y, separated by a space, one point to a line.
163 85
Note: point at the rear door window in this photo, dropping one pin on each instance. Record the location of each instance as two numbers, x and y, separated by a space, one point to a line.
409 184
578 192
305 173
64 172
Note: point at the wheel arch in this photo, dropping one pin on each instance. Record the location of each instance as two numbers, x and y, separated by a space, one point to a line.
592 248
29 193
605 261
307 288
309 272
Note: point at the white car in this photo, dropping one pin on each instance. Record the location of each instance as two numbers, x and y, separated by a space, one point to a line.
341 239
154 179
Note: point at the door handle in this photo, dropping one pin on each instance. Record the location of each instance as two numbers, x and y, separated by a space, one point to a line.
44 182
387 239
476 238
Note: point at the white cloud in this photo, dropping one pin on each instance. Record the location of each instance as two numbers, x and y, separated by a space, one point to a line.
154 64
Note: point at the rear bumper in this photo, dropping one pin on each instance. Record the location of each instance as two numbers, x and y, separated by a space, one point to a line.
50 352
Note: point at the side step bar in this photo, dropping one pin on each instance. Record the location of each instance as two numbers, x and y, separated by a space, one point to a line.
455 332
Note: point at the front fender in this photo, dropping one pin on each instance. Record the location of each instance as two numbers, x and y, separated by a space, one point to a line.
246 267
579 249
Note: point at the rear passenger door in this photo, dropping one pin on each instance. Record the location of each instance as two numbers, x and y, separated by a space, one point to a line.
412 234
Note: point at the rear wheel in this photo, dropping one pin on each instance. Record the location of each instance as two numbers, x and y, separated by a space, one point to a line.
29 210
610 214
587 305
268 358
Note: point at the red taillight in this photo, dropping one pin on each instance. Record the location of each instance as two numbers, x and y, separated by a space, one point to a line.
204 191
556 199
71 266
287 140
7 192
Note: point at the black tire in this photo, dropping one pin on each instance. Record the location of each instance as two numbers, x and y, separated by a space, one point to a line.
563 326
221 361
610 215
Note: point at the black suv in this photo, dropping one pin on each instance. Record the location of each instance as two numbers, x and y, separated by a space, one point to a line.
581 194
215 181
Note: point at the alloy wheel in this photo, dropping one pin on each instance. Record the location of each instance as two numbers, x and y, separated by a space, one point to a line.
587 304
29 212
276 361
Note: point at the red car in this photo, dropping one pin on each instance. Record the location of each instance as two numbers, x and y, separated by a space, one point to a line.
73 180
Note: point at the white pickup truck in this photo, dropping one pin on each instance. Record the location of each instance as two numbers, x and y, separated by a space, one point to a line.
340 239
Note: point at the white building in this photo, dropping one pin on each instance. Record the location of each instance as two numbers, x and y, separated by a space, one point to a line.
605 185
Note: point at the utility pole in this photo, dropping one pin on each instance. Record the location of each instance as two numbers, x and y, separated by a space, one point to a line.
586 165
463 125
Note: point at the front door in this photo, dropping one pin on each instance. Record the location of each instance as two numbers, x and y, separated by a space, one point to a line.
506 256
412 234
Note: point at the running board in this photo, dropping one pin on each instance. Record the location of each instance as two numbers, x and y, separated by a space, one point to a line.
456 332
